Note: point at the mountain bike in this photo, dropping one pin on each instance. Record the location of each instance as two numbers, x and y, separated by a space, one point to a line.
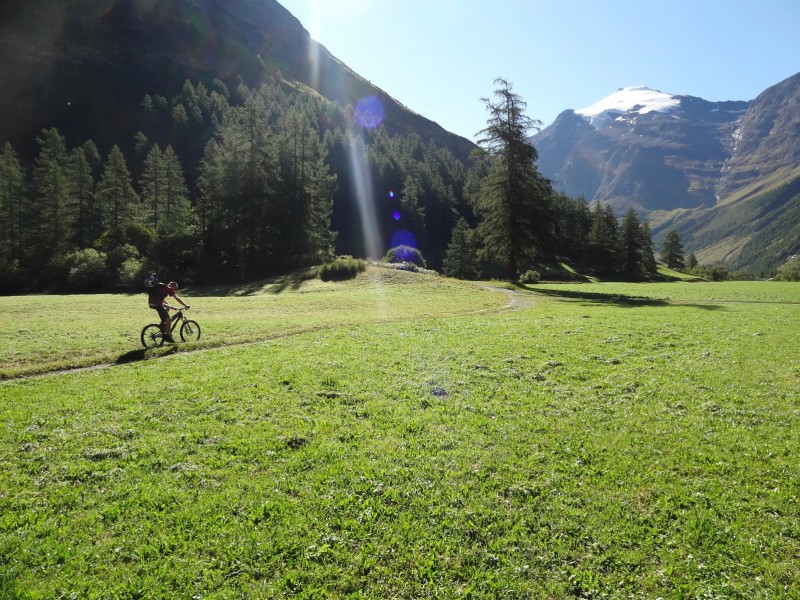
153 337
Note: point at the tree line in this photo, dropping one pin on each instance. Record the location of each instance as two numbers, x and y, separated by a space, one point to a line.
221 185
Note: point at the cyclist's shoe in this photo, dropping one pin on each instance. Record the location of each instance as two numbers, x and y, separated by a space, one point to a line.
168 339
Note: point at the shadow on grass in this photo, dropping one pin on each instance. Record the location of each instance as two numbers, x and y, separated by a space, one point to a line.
273 285
619 299
140 355
130 357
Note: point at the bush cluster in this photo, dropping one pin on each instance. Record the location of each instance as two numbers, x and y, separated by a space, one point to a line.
405 254
530 276
341 268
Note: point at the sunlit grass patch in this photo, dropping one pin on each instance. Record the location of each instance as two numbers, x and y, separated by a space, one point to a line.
45 333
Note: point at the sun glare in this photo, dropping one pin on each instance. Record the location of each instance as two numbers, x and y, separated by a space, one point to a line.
365 198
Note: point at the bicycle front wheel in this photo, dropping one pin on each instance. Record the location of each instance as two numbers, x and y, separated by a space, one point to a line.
190 331
152 336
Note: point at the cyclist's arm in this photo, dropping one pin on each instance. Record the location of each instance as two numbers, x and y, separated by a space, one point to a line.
178 298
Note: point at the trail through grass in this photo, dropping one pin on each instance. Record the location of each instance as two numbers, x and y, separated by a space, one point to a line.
48 333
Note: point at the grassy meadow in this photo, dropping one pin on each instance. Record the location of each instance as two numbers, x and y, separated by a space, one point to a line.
405 436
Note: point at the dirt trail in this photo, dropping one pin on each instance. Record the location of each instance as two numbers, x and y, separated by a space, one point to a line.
517 300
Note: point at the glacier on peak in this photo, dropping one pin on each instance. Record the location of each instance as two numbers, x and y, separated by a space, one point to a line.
638 99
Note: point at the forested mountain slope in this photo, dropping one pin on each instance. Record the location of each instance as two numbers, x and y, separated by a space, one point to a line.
264 141
84 66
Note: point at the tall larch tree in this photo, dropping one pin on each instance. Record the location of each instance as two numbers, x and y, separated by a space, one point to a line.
603 240
461 256
51 191
631 247
513 197
119 200
179 216
82 163
237 181
672 251
153 186
648 256
12 199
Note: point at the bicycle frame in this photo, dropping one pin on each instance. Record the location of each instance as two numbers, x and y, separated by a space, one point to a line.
177 317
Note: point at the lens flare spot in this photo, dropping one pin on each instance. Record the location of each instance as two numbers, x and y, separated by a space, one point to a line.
404 237
396 215
369 112
391 195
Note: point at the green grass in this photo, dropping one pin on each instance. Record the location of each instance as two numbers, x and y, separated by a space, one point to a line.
605 440
46 333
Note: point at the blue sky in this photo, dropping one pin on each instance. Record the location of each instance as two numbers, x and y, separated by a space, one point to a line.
439 57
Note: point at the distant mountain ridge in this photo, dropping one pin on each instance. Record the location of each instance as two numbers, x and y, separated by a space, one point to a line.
685 162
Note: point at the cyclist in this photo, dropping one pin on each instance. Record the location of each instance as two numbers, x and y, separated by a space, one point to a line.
157 300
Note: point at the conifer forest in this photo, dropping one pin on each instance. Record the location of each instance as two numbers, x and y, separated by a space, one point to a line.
230 185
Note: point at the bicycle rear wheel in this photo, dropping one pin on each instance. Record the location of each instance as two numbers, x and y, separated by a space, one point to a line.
190 331
152 336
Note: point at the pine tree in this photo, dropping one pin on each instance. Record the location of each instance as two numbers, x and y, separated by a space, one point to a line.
572 222
51 190
82 195
153 185
648 257
461 257
512 202
12 193
691 262
603 240
179 216
631 254
672 251
119 200
209 186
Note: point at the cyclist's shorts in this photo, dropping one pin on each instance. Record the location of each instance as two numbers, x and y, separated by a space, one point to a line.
162 312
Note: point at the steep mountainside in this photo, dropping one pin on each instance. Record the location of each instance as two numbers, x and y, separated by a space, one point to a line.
724 173
767 139
83 65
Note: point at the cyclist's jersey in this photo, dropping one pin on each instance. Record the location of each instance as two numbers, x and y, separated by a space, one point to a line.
157 295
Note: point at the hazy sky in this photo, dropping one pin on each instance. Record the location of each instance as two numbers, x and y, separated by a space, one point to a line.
439 57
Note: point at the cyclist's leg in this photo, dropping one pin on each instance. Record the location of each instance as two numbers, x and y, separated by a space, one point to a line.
163 314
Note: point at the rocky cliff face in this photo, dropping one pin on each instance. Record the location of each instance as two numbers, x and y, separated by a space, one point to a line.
767 138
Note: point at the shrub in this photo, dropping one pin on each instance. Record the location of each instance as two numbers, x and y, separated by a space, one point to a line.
717 272
530 276
131 273
341 268
405 254
87 271
117 256
790 271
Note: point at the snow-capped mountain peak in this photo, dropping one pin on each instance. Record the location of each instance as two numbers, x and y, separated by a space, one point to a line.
637 99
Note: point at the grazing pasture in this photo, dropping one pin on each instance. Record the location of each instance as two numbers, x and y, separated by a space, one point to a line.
405 436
